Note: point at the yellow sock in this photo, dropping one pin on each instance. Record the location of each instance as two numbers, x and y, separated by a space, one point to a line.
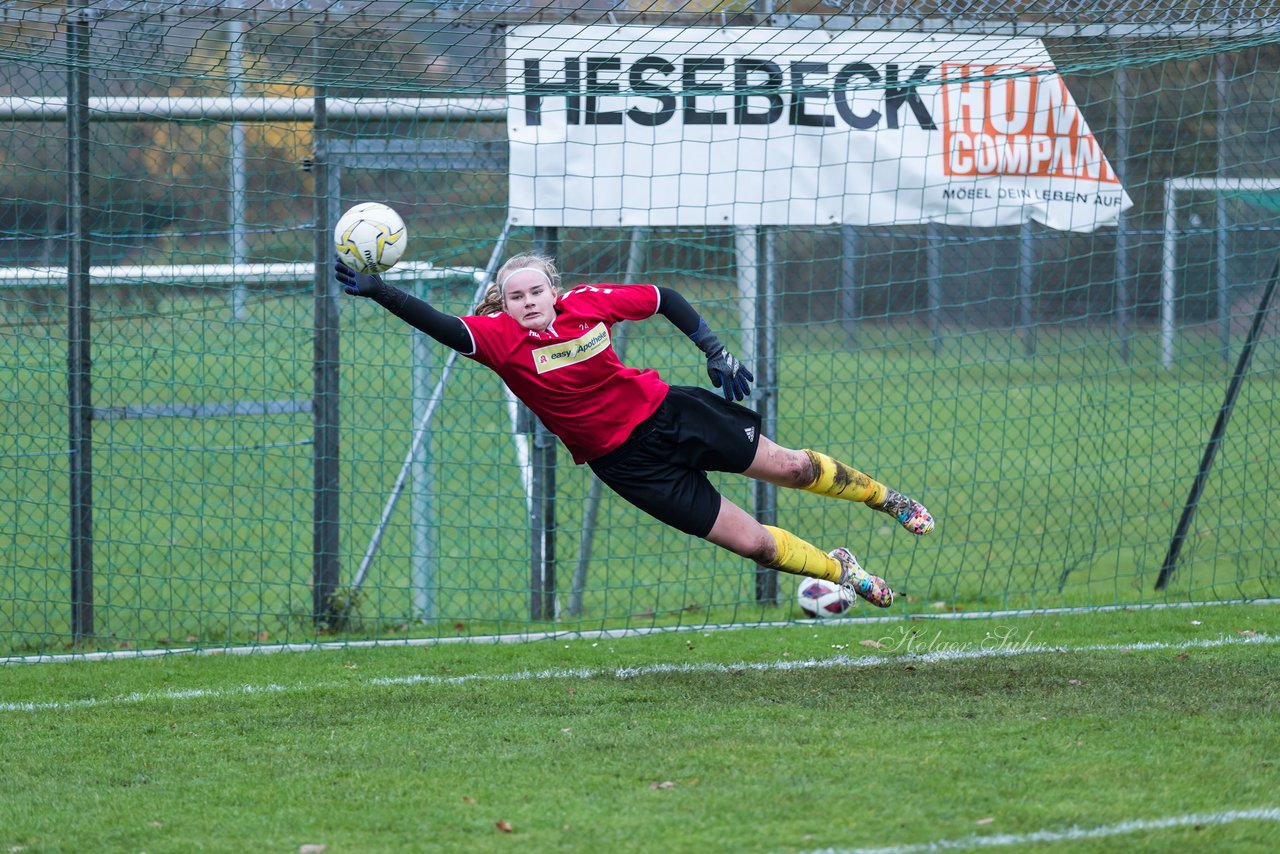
837 480
798 557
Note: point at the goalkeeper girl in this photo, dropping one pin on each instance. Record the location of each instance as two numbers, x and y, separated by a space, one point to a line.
650 442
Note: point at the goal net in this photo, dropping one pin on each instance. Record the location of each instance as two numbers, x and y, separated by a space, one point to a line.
1001 257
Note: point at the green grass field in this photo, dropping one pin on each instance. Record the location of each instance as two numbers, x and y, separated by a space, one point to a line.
1140 730
1056 479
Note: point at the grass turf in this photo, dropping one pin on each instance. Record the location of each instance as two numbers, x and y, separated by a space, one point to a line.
742 740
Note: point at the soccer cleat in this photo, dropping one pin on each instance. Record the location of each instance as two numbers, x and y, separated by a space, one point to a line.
916 519
870 587
909 513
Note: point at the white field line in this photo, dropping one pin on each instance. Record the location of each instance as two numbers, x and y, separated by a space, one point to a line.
605 634
1071 834
947 652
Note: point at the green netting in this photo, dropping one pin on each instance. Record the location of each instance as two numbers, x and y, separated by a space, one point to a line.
1048 394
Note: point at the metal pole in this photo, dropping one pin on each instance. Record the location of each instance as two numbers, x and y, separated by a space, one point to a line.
765 494
1168 275
933 283
79 390
850 308
1220 73
326 486
1124 302
239 245
37 108
423 525
1026 273
542 554
746 248
1215 437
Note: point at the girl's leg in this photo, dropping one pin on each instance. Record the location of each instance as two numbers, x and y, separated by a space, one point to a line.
818 473
737 531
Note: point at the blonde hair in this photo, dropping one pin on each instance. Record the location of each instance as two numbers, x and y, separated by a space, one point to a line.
491 303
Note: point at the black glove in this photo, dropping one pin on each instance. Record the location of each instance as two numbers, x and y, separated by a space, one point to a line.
357 284
725 370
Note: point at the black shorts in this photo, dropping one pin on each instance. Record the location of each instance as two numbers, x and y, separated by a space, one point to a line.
661 467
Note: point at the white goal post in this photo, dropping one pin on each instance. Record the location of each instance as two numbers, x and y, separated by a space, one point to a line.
1168 263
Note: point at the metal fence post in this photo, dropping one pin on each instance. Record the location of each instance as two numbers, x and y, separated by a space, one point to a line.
1026 278
850 295
1222 231
542 459
1123 299
79 377
933 283
424 522
326 485
765 494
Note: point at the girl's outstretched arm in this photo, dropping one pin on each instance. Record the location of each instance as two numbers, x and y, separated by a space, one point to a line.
448 329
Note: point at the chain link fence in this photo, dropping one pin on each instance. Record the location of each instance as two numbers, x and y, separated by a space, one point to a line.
202 443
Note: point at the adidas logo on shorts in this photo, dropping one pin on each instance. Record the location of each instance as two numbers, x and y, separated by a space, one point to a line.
751 433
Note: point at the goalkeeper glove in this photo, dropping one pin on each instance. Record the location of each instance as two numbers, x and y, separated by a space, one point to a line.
725 370
357 284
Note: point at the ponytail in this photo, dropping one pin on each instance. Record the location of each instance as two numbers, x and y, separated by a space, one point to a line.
491 302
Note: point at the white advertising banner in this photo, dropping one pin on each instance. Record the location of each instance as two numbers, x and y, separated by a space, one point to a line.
650 126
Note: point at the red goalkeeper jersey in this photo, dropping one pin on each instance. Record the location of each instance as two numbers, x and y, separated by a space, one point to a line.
569 375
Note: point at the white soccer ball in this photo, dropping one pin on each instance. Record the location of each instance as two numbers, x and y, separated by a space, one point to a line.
370 238
820 598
